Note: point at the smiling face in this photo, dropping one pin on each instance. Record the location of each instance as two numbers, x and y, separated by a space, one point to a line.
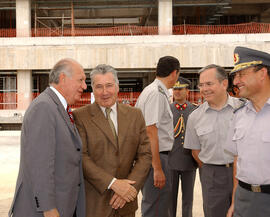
211 88
248 81
180 95
105 89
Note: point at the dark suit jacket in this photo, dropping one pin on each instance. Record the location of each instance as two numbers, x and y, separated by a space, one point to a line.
50 174
103 159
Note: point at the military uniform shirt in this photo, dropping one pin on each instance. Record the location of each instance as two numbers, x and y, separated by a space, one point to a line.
249 139
207 131
154 103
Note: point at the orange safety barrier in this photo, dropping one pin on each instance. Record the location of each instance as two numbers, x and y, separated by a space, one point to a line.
123 97
187 29
8 100
195 97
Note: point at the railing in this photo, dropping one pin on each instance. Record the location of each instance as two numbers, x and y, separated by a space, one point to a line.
188 29
9 100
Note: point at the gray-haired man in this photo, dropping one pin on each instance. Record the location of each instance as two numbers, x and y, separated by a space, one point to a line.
50 180
206 134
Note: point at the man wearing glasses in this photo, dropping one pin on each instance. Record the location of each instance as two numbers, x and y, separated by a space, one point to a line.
206 135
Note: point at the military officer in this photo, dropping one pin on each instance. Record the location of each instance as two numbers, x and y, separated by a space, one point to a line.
155 106
181 162
206 133
249 135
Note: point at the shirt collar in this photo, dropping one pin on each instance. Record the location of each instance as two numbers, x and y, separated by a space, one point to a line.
61 98
113 107
250 106
162 85
229 102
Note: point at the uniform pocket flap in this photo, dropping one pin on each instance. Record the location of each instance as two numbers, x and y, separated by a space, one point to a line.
238 134
204 130
266 137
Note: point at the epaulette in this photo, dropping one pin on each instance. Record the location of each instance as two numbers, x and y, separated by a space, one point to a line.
195 104
242 105
161 90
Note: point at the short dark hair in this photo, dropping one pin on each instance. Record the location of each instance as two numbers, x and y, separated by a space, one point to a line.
260 66
221 74
166 65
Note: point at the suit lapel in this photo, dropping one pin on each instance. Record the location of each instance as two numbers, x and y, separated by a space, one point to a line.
99 119
122 124
62 111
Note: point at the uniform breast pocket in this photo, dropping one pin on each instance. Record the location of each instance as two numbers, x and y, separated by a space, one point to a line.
238 135
266 137
205 134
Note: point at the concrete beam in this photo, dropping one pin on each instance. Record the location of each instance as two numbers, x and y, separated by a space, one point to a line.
125 51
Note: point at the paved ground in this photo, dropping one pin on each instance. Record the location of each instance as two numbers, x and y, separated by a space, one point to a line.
9 161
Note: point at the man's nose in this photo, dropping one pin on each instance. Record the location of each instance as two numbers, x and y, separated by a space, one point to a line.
236 80
84 86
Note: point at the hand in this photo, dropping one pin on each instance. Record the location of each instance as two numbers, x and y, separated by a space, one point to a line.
159 178
117 201
124 188
51 213
230 211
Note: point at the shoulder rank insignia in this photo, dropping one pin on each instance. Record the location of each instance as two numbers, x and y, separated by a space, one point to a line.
160 89
195 104
179 127
242 105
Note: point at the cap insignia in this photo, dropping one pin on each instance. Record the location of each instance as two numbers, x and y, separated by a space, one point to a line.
236 58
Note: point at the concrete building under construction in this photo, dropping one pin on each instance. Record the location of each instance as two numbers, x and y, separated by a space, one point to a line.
129 35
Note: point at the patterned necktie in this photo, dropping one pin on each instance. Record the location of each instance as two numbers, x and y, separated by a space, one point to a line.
70 114
108 111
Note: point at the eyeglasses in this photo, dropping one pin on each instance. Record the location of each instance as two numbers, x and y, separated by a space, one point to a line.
206 84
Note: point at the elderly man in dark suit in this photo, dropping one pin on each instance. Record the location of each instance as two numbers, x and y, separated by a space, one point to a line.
116 149
50 181
181 162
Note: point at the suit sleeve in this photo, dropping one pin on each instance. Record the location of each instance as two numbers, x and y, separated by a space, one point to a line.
92 173
38 138
143 157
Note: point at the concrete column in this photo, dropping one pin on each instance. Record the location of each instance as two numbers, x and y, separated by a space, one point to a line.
23 18
24 89
165 15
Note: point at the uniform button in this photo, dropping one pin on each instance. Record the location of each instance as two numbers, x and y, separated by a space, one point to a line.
79 184
78 149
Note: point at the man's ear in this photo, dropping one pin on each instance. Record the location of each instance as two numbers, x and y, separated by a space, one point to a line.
62 77
225 83
187 92
264 73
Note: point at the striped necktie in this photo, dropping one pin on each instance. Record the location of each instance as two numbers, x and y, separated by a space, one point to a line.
70 114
